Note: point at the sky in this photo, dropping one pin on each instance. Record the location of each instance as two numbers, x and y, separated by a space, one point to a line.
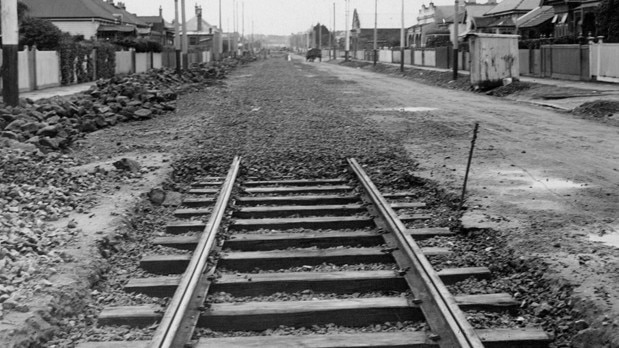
283 17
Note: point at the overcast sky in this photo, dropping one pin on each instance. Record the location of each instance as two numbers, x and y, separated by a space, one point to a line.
283 17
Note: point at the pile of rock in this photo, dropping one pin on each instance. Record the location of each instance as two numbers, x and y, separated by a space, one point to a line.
54 123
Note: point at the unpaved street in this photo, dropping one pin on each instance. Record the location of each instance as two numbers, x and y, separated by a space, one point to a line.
546 179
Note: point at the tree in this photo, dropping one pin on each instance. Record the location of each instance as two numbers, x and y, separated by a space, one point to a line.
608 20
40 33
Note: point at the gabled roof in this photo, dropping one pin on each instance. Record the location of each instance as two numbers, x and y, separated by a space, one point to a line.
507 6
68 9
192 26
536 17
80 10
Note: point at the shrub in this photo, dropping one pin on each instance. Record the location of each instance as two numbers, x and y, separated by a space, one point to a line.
40 33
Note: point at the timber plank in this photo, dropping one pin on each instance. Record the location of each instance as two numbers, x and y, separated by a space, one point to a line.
203 191
298 189
425 233
407 205
343 340
278 259
398 194
296 182
454 275
134 316
154 286
191 212
178 227
302 210
514 338
414 217
207 183
492 338
258 316
259 284
178 242
307 222
282 240
487 302
319 282
298 200
198 202
165 264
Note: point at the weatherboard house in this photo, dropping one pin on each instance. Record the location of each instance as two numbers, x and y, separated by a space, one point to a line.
93 19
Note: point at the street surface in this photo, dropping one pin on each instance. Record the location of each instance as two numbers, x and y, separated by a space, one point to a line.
547 179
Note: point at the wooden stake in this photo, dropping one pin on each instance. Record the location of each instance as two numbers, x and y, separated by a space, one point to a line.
468 165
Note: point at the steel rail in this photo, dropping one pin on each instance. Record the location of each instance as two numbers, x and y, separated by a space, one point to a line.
170 332
439 307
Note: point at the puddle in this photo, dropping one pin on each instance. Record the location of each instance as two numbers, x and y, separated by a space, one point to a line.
610 238
408 109
538 181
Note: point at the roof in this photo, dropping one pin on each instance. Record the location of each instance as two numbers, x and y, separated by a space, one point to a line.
152 19
117 28
507 6
503 22
483 22
66 9
80 9
536 17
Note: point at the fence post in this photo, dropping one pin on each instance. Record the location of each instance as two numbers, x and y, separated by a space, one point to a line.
93 58
599 59
133 62
32 67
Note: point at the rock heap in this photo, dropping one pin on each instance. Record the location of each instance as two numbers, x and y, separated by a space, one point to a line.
56 122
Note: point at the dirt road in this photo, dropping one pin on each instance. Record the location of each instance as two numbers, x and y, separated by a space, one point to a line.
546 179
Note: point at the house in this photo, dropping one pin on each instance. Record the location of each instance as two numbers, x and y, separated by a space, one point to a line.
536 23
429 25
573 17
160 30
503 18
89 18
200 34
363 38
467 16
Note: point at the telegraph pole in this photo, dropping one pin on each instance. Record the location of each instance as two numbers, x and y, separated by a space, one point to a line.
334 40
185 39
375 31
221 34
455 43
347 33
10 40
177 37
402 40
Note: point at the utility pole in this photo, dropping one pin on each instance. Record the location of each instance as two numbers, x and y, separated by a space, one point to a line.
455 41
347 48
177 37
185 38
229 37
402 40
221 34
243 25
319 36
10 41
334 40
375 31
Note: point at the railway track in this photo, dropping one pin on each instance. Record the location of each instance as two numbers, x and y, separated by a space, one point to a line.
278 237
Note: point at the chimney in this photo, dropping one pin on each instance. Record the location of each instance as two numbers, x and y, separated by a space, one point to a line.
199 15
160 12
122 6
111 2
491 2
